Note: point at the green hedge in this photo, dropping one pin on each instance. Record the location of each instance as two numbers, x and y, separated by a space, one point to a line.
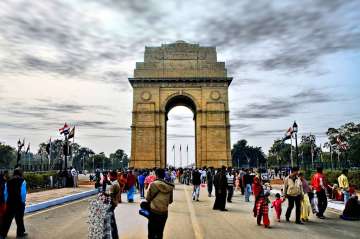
39 179
353 176
332 176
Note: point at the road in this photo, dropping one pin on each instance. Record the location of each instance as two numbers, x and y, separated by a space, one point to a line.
187 219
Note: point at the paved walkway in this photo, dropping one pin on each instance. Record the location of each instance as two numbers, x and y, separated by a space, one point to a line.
188 220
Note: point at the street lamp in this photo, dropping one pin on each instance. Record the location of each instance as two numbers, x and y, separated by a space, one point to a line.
295 130
19 144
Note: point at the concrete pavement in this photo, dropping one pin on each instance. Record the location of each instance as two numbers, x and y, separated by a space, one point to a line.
187 219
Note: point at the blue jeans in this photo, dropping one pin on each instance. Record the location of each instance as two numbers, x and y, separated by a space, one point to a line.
130 193
141 189
196 192
247 192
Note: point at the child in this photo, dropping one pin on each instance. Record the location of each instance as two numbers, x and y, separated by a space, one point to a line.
277 205
262 208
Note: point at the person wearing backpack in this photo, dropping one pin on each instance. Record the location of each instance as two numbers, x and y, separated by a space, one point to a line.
15 198
293 192
159 196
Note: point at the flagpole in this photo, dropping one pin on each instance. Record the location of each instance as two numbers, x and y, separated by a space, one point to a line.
49 153
331 158
291 153
174 155
187 155
180 157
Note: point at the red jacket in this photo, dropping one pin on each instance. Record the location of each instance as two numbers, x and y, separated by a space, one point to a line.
131 180
315 181
257 187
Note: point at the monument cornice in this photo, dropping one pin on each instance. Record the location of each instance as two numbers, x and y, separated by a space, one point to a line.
140 80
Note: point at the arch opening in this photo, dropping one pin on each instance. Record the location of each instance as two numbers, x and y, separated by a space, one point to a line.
180 124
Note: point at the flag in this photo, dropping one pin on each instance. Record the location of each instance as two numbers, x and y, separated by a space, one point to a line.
288 134
342 145
180 147
65 130
72 133
173 148
187 148
28 148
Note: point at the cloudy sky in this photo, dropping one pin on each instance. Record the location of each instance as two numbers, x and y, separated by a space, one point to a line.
69 60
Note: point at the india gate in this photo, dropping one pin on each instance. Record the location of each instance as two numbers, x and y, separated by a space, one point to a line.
180 74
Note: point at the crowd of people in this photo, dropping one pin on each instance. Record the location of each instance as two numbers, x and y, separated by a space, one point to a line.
155 187
305 196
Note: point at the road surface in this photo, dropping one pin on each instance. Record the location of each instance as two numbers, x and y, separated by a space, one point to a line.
187 219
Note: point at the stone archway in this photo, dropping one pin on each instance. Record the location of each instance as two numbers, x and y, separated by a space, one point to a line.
172 102
180 74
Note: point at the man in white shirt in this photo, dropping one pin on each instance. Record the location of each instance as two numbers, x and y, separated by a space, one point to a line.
74 175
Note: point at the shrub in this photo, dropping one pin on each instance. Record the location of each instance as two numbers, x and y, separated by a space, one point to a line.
39 179
332 176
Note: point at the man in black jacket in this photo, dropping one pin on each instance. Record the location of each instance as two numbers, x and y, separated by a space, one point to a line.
220 183
15 197
196 181
210 180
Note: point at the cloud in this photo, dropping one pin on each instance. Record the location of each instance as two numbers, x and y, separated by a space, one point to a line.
286 35
281 107
236 127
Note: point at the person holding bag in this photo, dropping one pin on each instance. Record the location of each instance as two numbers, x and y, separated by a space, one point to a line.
294 193
158 197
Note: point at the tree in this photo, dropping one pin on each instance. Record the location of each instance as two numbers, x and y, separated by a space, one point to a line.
280 153
354 149
81 157
101 161
244 155
308 150
348 134
7 156
119 159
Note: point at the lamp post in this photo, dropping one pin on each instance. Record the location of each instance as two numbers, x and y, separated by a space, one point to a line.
20 145
295 130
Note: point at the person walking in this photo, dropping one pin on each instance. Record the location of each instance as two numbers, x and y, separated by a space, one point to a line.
210 180
196 181
276 204
230 184
159 196
220 183
262 209
102 222
257 189
344 185
293 192
15 198
247 181
130 183
319 184
305 202
241 183
74 175
141 181
3 178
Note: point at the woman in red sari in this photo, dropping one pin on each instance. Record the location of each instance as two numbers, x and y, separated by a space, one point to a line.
257 190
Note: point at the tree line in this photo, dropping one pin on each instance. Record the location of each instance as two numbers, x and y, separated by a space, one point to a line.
53 155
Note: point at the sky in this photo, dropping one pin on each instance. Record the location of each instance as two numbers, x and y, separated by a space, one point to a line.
69 60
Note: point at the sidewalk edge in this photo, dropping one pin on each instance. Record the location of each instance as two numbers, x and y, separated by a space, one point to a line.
57 201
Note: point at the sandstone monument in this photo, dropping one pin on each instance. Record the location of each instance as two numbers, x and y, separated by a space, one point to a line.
180 74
